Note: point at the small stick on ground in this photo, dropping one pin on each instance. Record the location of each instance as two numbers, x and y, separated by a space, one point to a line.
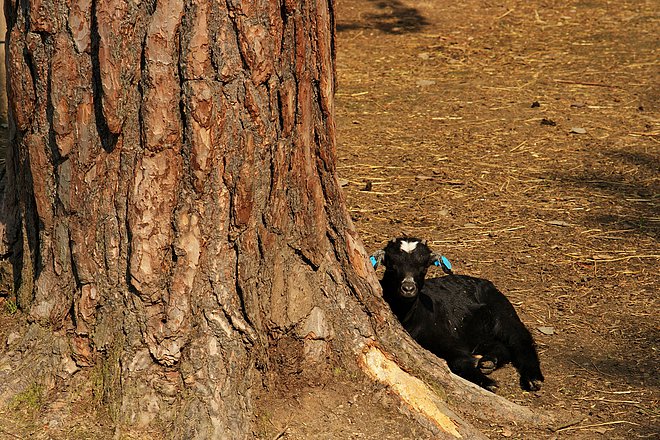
4 431
586 83
595 425
281 434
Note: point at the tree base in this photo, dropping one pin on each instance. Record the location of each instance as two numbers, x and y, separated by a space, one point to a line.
42 391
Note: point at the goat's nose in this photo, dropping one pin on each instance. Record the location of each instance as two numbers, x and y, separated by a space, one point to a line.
408 289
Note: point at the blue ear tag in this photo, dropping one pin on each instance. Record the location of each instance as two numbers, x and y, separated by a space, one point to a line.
373 260
444 263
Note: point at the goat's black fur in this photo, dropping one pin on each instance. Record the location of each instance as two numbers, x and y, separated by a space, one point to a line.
457 317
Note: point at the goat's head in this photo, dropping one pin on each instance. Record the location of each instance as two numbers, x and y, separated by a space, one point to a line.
406 262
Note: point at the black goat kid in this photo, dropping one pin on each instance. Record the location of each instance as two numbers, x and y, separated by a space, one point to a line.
456 316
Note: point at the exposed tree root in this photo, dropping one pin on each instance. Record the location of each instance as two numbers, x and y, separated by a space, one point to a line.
453 391
416 394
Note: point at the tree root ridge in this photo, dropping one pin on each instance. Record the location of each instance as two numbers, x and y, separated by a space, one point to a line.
438 399
410 389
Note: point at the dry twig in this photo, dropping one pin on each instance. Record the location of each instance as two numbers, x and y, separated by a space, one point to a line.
595 425
586 83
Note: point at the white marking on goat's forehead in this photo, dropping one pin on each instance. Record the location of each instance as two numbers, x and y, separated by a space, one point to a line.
408 246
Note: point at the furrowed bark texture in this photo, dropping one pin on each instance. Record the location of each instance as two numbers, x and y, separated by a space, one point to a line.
173 212
3 71
178 204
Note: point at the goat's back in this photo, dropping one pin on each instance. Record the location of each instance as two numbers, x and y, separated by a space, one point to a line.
470 302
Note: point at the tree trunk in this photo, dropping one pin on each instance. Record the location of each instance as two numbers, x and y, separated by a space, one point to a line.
3 71
173 212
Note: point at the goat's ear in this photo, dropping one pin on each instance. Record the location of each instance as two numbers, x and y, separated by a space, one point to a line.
377 258
440 261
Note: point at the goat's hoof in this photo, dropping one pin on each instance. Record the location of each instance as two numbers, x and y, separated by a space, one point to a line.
487 366
489 385
528 384
492 387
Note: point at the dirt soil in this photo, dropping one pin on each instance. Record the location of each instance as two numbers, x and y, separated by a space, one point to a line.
521 138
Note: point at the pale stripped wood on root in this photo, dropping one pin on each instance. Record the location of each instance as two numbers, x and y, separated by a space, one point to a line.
410 389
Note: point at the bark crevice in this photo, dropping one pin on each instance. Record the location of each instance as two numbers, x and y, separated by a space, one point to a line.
106 136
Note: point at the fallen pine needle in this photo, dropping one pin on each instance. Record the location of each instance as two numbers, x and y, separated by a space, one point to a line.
618 392
656 133
585 83
518 146
601 399
626 258
505 14
610 260
281 433
9 433
595 425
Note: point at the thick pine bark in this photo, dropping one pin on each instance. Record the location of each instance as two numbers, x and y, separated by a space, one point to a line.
3 71
178 216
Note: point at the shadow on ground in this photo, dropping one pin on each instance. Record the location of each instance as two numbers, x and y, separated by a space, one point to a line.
632 183
619 366
393 17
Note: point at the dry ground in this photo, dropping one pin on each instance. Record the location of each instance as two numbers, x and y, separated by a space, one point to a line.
521 139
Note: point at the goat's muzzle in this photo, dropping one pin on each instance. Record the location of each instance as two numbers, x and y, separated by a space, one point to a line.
408 288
